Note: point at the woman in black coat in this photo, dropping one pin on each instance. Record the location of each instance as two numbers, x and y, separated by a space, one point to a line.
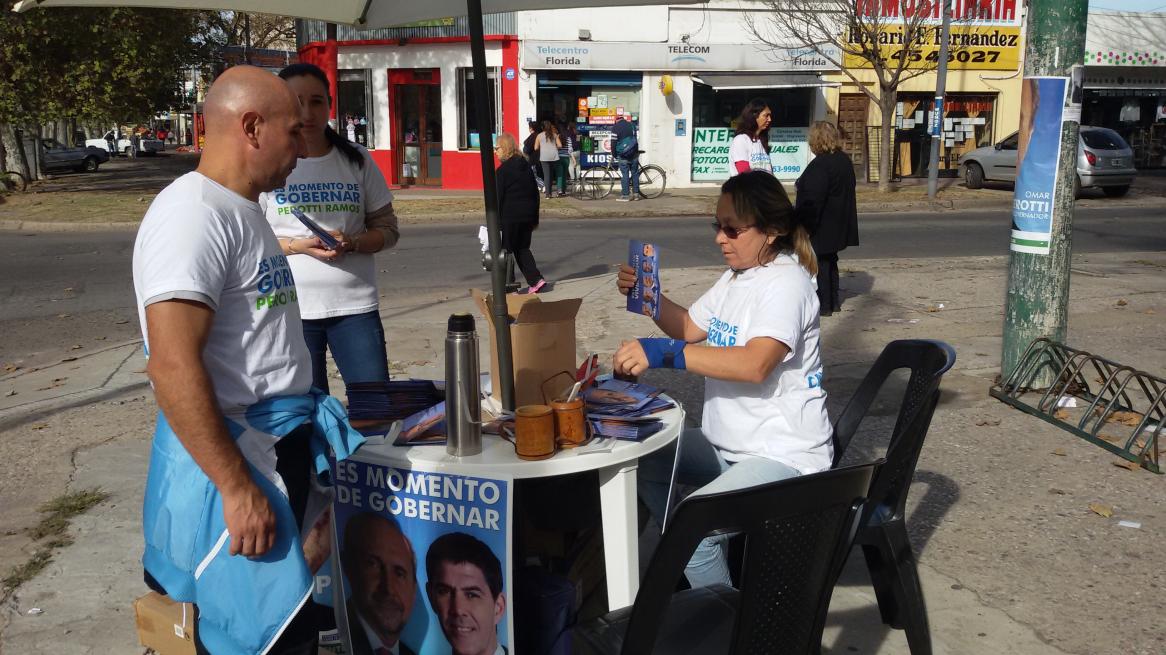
518 208
827 207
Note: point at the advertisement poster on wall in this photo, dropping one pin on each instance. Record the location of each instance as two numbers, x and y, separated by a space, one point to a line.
789 150
425 560
1042 109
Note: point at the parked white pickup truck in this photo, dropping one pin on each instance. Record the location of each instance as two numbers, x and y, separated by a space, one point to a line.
147 146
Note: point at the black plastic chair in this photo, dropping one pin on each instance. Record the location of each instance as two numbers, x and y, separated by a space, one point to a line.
797 535
882 531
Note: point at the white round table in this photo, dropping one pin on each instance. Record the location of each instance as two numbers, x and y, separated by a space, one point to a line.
617 486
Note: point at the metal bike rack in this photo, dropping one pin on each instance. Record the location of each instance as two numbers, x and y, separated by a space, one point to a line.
1124 411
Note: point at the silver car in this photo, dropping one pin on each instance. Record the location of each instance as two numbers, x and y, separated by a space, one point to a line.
1104 160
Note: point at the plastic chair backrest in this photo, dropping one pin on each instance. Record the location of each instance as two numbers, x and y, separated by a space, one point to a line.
928 360
797 533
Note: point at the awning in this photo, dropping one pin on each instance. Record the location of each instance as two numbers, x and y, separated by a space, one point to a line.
725 82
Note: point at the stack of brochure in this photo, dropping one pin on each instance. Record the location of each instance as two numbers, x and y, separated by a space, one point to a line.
625 410
392 401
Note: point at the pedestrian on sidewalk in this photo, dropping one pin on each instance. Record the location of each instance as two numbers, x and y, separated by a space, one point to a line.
566 147
764 409
339 186
231 467
518 209
827 206
749 150
625 147
547 145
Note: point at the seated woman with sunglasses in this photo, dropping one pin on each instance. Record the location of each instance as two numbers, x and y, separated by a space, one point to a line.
754 337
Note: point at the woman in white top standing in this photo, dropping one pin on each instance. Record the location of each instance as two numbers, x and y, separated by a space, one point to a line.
547 145
754 337
749 150
338 186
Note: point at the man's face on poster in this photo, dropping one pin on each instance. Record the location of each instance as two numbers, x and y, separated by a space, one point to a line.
380 567
467 610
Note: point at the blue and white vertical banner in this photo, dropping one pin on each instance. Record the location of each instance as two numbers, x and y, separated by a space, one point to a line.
1042 112
425 558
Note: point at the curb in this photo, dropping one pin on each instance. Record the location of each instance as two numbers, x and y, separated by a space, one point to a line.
568 213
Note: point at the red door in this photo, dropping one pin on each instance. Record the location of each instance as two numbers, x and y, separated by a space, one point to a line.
415 117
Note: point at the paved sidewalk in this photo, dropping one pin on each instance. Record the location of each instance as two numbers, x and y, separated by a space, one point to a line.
1012 560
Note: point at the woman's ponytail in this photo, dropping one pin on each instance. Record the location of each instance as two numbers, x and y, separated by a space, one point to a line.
804 249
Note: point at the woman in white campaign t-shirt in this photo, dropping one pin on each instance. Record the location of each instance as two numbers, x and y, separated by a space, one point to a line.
339 187
764 409
749 150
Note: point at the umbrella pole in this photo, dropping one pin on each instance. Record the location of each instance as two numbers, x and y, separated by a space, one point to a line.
481 90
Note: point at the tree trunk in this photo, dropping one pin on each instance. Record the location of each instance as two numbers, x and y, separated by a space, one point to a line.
17 157
888 99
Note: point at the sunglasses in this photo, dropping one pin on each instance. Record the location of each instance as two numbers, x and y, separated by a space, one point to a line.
731 232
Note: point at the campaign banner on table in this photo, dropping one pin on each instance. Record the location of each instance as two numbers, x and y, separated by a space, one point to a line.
1042 108
425 560
789 152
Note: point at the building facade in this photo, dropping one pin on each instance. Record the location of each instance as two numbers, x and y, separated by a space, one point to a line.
1125 81
683 73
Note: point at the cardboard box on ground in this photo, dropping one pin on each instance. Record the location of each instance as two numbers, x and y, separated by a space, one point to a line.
542 336
164 626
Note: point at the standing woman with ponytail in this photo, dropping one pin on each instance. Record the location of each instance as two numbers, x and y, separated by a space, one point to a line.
338 186
754 337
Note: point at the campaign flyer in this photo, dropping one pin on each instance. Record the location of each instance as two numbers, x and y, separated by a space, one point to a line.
424 561
644 297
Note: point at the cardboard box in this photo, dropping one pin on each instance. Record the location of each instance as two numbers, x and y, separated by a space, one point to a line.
542 337
165 626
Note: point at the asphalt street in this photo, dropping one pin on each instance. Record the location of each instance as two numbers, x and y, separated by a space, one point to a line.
62 291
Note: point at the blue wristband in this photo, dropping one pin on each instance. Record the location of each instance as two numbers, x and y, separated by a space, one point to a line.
664 353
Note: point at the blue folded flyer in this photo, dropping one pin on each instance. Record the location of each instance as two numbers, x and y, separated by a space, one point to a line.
644 297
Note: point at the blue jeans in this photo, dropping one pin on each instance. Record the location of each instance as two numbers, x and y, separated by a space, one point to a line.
702 465
629 167
358 346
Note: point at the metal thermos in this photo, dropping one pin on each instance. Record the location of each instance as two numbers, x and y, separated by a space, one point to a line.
463 391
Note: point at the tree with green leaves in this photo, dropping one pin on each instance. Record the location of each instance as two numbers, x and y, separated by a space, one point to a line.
110 65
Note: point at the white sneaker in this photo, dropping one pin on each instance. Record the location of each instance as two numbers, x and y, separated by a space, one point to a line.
622 199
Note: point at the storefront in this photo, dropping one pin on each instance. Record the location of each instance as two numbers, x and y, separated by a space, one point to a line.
1125 81
967 125
683 97
982 103
408 101
593 101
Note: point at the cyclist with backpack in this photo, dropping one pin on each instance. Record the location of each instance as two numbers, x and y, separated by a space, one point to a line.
625 148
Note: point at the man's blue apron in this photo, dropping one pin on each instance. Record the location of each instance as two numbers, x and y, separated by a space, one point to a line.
244 604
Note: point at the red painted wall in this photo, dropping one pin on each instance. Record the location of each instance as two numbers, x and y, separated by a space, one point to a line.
460 169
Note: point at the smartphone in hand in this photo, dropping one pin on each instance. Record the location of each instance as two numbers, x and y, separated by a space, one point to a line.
330 242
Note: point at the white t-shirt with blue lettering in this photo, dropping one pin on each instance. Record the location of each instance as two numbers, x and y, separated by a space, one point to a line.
202 241
744 148
337 194
783 418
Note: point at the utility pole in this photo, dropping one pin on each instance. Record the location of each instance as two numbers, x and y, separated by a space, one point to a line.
1041 244
936 127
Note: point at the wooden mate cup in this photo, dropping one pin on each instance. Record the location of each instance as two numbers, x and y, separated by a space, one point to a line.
534 432
570 422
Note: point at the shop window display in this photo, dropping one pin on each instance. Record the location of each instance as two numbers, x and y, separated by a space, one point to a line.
353 107
468 131
715 114
593 101
967 124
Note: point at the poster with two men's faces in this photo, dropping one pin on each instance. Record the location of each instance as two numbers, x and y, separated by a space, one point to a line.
424 558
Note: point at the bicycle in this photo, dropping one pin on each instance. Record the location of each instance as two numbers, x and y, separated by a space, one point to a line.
11 181
597 183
